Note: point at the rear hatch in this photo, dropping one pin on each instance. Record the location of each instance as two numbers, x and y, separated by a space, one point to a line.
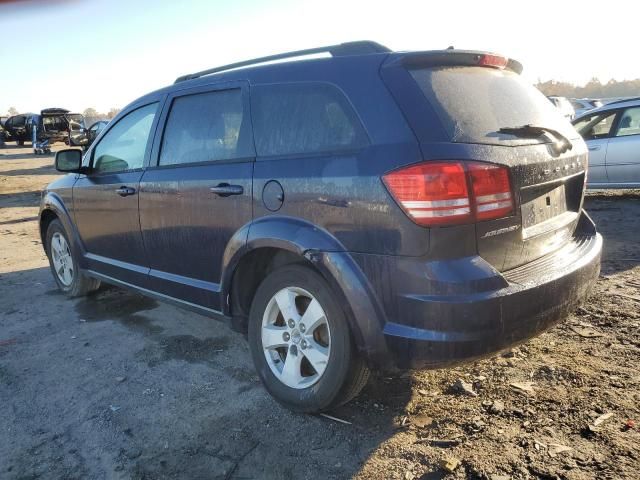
472 106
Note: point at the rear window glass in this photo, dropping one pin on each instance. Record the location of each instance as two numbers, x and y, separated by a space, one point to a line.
473 103
303 118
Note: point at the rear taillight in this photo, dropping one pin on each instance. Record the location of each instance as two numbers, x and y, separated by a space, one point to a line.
452 193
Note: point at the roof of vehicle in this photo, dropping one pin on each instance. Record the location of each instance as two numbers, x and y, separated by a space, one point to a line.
305 64
631 102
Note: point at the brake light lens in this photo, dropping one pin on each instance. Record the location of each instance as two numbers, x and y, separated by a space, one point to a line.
452 193
491 190
494 61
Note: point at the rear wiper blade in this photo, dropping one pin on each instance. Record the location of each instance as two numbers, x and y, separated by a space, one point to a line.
534 131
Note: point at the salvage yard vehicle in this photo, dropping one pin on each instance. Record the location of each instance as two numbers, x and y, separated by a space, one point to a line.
16 128
612 133
52 124
93 131
369 210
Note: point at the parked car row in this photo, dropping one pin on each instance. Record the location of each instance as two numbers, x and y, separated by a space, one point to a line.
583 105
51 125
574 107
612 134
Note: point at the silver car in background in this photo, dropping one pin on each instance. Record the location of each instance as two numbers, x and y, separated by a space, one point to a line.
612 133
583 105
564 105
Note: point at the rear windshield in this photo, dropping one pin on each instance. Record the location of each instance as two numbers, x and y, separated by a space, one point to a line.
473 103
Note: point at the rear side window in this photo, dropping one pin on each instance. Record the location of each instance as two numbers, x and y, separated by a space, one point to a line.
303 118
629 122
206 127
473 103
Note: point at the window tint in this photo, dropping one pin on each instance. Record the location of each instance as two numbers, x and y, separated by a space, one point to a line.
596 126
629 123
206 127
303 118
123 147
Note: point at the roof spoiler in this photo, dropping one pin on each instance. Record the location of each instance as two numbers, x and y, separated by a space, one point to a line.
457 58
340 50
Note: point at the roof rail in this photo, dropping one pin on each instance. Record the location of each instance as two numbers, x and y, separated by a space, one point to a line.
342 49
630 99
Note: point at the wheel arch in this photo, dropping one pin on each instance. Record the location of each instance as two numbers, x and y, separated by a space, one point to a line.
273 242
53 208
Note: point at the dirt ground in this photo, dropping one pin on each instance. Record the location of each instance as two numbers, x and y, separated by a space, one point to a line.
117 386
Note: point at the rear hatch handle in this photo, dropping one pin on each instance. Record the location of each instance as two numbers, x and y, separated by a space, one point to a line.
561 143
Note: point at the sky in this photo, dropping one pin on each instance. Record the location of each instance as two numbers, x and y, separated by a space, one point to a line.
105 53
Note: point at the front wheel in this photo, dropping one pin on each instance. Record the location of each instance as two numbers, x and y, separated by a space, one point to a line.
301 343
63 263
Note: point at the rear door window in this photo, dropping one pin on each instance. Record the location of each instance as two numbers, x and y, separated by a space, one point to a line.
206 127
303 119
473 103
629 122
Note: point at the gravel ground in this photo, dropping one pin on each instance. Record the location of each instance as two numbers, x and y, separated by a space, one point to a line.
117 386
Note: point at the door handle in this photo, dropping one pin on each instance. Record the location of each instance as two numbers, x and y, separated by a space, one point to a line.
225 190
594 148
125 191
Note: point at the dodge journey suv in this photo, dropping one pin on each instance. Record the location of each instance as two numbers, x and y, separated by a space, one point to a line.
364 210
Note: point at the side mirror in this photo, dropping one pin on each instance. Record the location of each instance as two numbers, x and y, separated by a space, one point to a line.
69 161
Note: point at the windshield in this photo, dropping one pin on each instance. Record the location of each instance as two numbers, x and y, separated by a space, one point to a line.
473 103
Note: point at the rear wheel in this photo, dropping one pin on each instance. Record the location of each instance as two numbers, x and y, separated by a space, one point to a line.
301 343
63 263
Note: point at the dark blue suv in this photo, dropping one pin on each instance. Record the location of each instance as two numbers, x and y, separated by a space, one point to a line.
364 210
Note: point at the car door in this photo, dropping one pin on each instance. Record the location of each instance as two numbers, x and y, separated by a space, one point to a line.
106 200
596 130
623 151
197 193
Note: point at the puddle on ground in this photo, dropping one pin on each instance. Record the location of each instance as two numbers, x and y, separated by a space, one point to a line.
121 306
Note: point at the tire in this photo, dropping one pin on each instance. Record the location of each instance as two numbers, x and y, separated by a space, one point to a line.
326 371
20 143
75 283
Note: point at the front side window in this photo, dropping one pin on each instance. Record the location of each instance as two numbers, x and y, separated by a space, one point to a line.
206 127
629 122
596 126
303 118
123 147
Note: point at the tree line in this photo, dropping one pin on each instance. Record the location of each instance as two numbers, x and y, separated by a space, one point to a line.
592 89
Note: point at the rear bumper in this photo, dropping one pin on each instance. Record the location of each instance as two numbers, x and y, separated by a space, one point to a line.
446 312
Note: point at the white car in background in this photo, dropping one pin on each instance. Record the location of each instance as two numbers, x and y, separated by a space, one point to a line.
564 105
612 133
583 105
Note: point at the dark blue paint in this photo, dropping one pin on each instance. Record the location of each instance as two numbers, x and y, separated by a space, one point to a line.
414 297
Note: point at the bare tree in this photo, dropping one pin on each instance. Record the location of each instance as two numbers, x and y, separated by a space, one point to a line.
13 111
112 113
90 113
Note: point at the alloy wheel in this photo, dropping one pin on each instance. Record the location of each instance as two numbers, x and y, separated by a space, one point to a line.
62 260
296 338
